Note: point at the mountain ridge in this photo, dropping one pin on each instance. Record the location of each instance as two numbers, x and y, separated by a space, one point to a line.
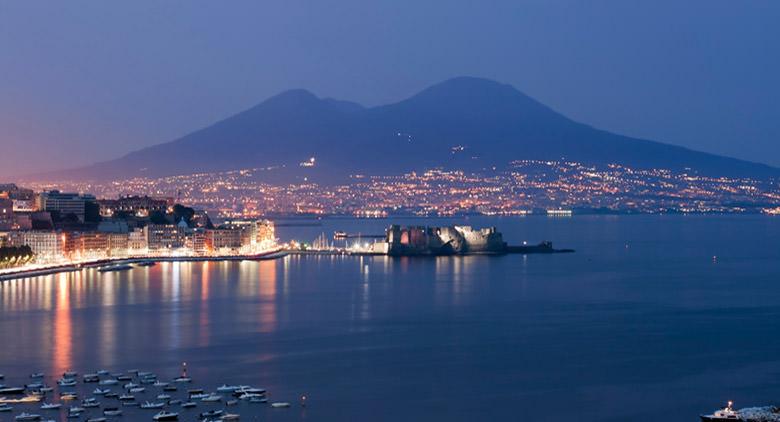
493 123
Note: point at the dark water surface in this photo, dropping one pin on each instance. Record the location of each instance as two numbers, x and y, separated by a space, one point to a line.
654 318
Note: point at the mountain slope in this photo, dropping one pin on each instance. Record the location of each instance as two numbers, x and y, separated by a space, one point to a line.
468 123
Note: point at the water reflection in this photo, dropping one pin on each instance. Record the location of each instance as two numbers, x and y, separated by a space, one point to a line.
63 342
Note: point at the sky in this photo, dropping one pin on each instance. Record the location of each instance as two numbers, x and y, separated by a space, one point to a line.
84 81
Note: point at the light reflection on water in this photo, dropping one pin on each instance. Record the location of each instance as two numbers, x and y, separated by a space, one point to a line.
605 330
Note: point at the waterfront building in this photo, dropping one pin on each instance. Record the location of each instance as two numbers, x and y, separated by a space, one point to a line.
64 203
161 237
23 199
136 242
223 240
47 245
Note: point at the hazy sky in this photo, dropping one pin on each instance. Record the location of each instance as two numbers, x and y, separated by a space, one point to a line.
84 81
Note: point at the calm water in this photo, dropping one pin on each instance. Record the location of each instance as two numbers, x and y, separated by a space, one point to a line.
653 316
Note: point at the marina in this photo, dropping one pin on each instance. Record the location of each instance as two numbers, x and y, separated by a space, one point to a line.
77 402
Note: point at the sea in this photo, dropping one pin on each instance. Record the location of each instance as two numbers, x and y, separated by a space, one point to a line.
660 317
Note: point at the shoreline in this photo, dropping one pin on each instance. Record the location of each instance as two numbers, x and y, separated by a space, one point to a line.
64 268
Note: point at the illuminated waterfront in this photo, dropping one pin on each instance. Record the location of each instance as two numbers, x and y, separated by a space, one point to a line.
630 320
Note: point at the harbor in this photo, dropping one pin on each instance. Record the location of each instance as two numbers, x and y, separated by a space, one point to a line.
102 395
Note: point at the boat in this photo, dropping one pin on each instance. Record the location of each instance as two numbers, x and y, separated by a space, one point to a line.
102 372
137 390
4 407
111 395
258 400
150 405
112 411
160 384
108 382
188 405
229 417
76 409
166 416
25 399
24 416
248 390
101 392
199 395
249 396
195 391
126 397
45 389
163 396
227 388
146 264
130 385
145 374
68 395
37 375
66 382
231 402
12 390
182 379
99 419
90 403
118 267
124 378
51 406
34 386
174 402
69 374
722 415
211 398
130 403
280 404
338 234
91 378
211 414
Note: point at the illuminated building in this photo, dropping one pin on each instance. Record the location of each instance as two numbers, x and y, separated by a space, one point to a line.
64 203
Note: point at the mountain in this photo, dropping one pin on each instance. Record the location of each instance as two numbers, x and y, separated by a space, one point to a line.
467 123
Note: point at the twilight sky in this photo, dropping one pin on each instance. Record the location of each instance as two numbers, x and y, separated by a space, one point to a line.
82 81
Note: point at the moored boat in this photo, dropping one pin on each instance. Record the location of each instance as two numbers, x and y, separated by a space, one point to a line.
166 416
723 415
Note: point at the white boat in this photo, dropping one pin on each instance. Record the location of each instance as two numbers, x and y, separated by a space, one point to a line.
46 389
76 409
211 414
126 397
163 396
188 404
100 419
66 382
258 400
166 416
231 402
37 375
182 379
4 407
199 395
34 386
227 388
174 402
68 396
160 384
100 391
229 417
280 404
102 372
150 405
24 416
130 385
137 390
90 404
90 378
51 406
69 374
212 398
112 411
723 415
249 396
109 382
25 399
